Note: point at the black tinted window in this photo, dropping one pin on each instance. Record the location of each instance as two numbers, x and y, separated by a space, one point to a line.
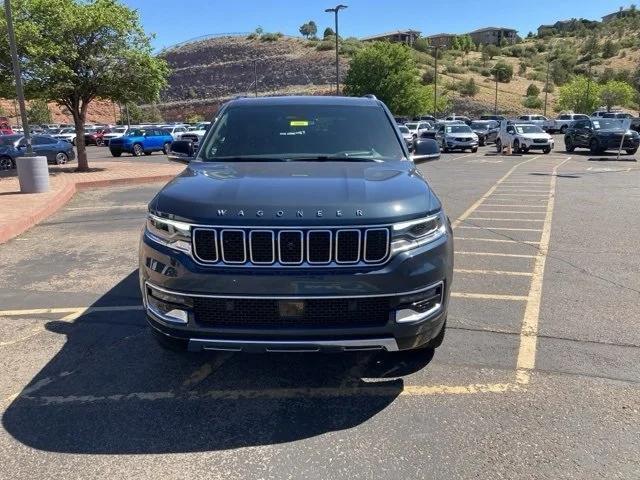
290 130
582 124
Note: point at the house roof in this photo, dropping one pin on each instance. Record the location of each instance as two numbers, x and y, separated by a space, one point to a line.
442 35
389 34
488 29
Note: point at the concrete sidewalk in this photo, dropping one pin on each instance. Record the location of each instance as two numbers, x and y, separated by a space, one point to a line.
19 212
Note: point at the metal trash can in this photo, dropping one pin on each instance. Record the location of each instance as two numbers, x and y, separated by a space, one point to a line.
33 174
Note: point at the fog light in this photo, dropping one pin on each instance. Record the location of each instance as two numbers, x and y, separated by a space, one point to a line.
421 306
169 307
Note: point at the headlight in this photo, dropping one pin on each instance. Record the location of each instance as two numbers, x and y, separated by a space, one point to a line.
170 233
415 233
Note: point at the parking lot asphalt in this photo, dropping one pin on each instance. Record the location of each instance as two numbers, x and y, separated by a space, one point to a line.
538 376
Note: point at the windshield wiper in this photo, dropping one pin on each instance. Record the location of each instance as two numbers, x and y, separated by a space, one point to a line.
333 158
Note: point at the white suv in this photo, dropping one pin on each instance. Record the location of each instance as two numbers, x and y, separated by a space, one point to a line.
565 121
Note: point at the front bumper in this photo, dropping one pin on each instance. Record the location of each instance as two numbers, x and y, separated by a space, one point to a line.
531 145
613 142
414 287
120 147
456 144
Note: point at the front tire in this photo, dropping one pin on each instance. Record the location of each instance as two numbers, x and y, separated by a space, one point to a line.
563 129
499 145
568 144
474 149
61 158
594 146
546 151
6 163
138 150
166 148
516 146
631 151
116 154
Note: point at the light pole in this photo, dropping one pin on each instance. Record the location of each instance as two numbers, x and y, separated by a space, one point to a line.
546 89
335 11
18 76
495 107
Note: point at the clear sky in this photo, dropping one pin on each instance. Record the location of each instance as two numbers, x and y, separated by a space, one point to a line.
176 21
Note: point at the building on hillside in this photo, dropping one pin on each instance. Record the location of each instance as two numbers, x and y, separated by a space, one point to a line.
619 14
442 40
407 37
494 35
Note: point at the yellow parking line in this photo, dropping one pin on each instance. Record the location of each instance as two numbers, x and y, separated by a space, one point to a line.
508 219
493 272
488 296
479 202
528 205
495 240
501 228
529 332
507 211
516 189
493 254
522 194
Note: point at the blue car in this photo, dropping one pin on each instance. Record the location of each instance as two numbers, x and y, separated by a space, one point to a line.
58 152
138 141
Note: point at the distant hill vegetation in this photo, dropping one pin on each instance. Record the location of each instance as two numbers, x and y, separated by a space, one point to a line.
207 72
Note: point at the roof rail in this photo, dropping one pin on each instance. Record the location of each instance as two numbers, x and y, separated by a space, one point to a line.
371 96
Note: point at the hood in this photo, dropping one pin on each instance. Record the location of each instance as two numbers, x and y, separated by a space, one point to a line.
460 135
544 136
295 193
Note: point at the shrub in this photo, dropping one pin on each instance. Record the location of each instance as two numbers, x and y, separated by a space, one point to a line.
271 36
549 88
533 90
326 45
531 102
609 49
455 69
485 72
252 36
468 87
522 68
428 77
502 71
421 45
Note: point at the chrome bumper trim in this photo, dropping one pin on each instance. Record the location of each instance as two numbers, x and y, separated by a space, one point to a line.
388 344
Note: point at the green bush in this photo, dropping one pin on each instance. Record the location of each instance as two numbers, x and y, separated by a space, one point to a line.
609 49
531 102
455 69
271 36
502 71
468 88
428 77
326 45
533 90
485 72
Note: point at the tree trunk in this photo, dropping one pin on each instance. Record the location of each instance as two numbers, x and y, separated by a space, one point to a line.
79 115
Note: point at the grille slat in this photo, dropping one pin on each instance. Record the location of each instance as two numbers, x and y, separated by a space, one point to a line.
287 247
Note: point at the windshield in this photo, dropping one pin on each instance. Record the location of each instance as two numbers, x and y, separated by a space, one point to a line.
528 129
68 130
403 129
411 126
457 129
135 133
607 124
288 131
480 125
118 130
6 140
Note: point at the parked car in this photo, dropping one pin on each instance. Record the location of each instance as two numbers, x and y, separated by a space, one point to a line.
538 120
563 122
114 132
5 128
354 253
427 118
95 137
416 128
486 130
175 130
460 118
196 135
425 148
619 115
497 118
67 134
140 141
524 137
57 151
407 135
600 134
456 136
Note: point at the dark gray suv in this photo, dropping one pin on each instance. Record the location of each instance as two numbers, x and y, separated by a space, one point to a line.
301 224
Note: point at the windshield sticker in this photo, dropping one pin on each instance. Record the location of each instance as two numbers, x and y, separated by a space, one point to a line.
299 123
297 132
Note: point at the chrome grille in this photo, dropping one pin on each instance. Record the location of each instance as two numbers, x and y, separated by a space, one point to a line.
290 247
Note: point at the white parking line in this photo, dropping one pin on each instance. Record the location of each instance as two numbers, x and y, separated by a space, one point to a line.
507 219
522 194
493 254
489 296
495 240
493 272
507 211
501 228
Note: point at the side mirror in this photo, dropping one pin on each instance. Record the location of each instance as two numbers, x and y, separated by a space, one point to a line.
426 149
182 151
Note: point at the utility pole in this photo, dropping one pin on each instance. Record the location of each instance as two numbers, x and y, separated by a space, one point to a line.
586 103
495 107
546 88
18 76
255 76
435 83
335 11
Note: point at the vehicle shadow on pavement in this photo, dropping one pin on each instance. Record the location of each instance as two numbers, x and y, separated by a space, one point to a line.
112 390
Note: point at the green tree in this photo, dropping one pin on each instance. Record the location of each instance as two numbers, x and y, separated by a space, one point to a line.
455 43
444 100
309 29
609 49
73 52
328 32
616 93
422 45
502 72
579 95
38 112
388 71
313 29
488 52
533 90
590 47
